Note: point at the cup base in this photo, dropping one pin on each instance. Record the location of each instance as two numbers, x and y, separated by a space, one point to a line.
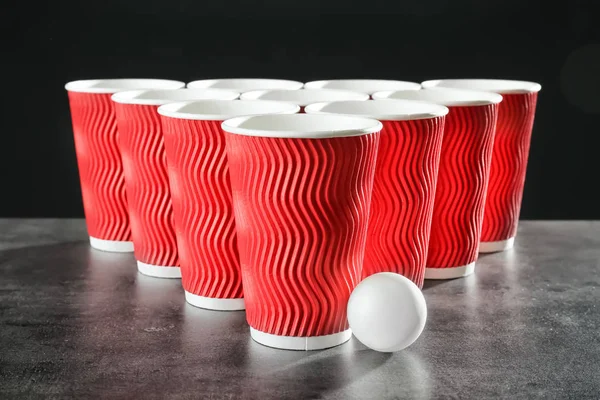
500 245
211 303
300 343
115 246
158 271
450 273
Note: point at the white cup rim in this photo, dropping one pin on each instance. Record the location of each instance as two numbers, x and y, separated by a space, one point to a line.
500 86
388 110
246 84
443 96
302 126
110 86
304 97
160 97
368 86
221 110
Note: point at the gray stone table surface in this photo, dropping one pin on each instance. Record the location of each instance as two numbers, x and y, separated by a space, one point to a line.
80 323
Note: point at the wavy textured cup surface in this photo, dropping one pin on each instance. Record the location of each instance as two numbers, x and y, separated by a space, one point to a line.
516 114
301 192
141 144
99 160
368 86
405 180
243 85
462 178
198 173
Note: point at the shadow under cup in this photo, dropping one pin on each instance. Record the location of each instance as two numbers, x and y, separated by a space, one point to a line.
301 189
99 160
201 194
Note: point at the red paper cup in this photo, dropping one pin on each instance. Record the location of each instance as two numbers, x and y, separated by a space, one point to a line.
405 179
201 194
368 86
301 194
98 158
509 156
304 97
462 178
246 84
149 201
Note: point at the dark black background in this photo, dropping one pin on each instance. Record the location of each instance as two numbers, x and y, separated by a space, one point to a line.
44 45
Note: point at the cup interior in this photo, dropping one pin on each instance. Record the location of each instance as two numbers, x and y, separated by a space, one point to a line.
501 86
301 126
160 97
246 84
305 97
220 110
116 85
443 96
368 86
388 110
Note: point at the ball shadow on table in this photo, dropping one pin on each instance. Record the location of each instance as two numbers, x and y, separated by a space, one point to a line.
431 283
350 370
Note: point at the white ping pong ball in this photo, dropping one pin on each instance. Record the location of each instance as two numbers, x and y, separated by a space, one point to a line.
387 312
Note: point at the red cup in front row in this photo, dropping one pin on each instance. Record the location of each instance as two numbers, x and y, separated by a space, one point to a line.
462 178
405 181
301 189
144 163
201 194
99 160
516 114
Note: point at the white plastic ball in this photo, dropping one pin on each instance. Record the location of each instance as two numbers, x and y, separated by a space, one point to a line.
387 312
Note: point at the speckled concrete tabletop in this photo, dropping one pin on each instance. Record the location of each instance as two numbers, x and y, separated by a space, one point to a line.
79 323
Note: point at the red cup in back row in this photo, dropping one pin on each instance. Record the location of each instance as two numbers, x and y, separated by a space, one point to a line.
465 161
99 160
516 113
304 97
368 86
